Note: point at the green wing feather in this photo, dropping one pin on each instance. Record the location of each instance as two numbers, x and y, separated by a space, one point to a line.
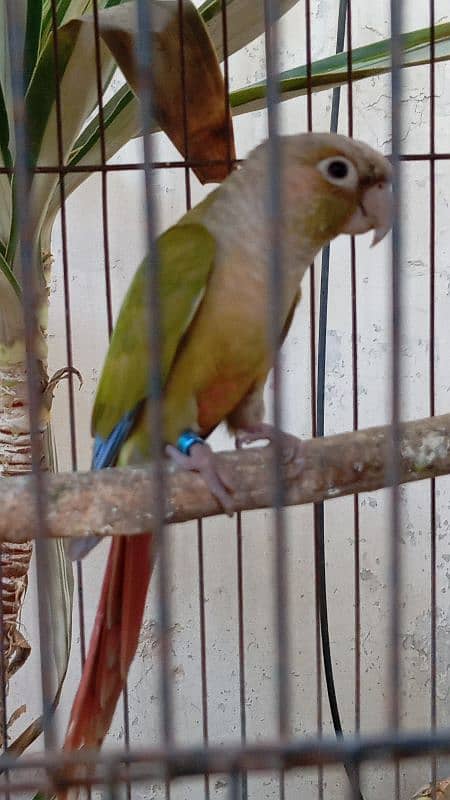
186 255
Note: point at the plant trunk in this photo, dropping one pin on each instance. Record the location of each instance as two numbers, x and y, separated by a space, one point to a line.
15 459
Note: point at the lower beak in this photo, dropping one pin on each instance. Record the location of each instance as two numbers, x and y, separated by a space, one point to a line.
373 213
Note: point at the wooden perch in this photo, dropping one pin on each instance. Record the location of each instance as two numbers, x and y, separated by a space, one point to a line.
119 501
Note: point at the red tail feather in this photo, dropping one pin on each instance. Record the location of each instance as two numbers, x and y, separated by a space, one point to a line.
114 640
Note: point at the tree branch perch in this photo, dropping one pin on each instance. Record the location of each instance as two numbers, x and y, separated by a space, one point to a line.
119 501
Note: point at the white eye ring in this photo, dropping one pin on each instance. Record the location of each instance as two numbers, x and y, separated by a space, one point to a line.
339 171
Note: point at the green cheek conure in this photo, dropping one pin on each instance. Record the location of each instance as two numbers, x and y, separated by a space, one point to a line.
215 295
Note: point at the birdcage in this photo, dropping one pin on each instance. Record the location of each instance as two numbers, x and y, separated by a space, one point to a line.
300 647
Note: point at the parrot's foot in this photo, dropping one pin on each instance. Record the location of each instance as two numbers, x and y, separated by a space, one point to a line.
203 460
291 446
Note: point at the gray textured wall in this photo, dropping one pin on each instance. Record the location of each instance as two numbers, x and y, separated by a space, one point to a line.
126 209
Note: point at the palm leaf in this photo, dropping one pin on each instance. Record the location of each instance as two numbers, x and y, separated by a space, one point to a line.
9 275
122 111
207 128
245 21
5 132
65 11
367 62
76 76
32 38
122 122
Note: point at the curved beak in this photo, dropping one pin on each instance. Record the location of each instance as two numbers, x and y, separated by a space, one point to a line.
373 213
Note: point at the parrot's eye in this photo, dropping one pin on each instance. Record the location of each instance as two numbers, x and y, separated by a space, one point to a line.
340 171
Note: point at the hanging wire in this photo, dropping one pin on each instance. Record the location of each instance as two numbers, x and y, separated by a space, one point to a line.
321 376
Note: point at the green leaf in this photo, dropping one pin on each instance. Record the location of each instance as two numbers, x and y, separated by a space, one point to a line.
209 132
32 38
9 274
5 130
122 122
77 79
65 11
367 62
207 126
122 112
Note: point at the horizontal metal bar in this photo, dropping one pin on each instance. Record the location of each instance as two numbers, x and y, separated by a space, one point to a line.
133 166
90 768
188 163
119 501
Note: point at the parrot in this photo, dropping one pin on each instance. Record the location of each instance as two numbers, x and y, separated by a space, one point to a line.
214 283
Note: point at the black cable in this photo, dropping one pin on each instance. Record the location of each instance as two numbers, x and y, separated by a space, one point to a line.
319 507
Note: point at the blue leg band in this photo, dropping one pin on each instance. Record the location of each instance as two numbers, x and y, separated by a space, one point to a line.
186 440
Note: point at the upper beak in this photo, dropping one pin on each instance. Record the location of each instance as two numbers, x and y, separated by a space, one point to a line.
373 213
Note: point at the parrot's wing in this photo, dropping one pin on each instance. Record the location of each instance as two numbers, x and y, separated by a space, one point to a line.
186 255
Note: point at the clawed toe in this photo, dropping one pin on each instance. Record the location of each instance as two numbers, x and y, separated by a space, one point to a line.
201 459
291 446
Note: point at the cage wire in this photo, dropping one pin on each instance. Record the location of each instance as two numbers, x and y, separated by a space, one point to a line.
162 761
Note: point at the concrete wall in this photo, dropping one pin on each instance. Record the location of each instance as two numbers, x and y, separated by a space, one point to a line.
126 210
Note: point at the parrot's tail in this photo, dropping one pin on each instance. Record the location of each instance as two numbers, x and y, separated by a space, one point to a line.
114 640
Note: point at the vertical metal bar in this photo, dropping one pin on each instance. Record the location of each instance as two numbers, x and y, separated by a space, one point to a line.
3 680
67 308
355 767
319 514
239 556
109 313
144 63
226 75
234 785
203 658
187 181
396 331
126 730
393 470
357 551
200 550
104 172
312 311
241 634
28 257
66 281
432 386
274 210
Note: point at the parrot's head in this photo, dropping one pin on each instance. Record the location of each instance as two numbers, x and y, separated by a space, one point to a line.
331 184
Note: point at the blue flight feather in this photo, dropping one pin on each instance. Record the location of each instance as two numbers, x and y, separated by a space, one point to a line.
106 450
105 454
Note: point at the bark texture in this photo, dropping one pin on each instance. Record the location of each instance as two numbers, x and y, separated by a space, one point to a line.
122 501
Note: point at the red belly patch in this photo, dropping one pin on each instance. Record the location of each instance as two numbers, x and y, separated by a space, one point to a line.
219 399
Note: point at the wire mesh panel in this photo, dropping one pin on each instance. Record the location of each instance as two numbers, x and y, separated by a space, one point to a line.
254 626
